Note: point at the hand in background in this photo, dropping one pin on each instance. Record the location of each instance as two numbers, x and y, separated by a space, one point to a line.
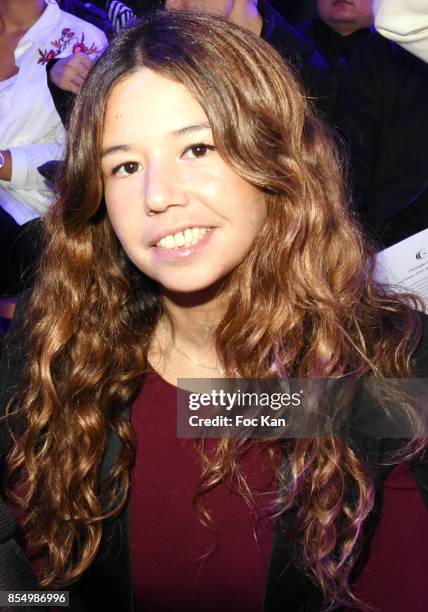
70 72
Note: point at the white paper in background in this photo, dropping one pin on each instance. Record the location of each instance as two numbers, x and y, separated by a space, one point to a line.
404 265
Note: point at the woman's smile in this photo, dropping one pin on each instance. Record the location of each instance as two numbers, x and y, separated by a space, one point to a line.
180 246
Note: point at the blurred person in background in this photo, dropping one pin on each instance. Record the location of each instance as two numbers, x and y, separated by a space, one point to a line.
340 27
31 133
346 16
257 16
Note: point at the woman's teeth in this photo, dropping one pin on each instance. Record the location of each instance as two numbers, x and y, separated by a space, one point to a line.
188 238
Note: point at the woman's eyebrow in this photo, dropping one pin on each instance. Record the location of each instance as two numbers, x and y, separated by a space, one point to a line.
114 149
190 129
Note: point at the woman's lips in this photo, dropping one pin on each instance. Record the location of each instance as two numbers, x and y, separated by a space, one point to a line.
182 253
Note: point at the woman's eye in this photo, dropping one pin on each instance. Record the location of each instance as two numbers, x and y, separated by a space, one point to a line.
198 150
127 169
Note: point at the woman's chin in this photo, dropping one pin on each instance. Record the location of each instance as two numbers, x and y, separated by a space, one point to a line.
192 293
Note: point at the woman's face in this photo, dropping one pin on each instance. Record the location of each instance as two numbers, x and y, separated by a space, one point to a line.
183 216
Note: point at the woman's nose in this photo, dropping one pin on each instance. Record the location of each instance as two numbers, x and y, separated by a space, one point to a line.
162 188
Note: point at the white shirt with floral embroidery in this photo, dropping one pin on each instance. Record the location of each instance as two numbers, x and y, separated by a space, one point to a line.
30 127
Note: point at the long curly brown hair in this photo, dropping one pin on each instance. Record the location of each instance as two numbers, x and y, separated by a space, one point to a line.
304 303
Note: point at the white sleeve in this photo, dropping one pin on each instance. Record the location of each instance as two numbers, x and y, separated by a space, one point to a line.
119 14
405 22
88 37
25 161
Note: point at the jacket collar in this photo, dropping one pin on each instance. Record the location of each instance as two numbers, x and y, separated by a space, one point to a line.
107 585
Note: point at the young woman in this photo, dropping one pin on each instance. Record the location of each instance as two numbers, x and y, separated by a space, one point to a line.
201 231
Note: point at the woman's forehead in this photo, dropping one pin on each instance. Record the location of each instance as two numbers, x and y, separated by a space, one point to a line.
149 103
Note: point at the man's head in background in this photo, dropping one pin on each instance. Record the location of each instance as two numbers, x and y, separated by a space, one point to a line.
220 7
346 16
241 12
223 7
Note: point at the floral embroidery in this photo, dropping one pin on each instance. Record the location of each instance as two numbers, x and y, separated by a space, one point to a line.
68 39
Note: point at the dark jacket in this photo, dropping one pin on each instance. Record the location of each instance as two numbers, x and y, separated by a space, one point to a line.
382 112
107 585
336 49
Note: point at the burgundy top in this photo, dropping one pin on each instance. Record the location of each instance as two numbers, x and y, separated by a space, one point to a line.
395 576
168 540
